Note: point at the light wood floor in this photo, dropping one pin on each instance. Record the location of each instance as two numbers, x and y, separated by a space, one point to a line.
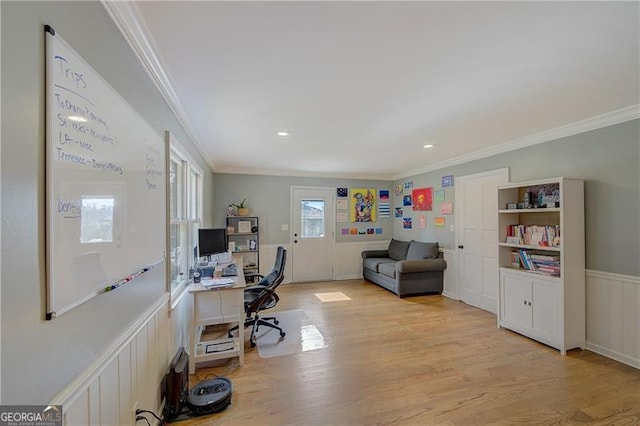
420 360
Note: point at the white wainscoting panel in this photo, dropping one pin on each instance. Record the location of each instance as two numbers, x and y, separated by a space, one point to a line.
347 260
179 322
129 372
450 285
613 316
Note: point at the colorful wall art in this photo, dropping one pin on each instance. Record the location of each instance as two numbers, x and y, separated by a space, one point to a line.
447 181
363 205
422 198
446 207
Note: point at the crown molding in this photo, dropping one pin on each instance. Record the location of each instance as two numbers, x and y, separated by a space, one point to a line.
127 18
299 173
604 120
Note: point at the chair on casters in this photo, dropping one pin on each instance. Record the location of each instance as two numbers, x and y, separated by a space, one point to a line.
262 296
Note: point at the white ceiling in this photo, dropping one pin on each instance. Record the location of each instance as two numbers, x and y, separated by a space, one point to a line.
362 86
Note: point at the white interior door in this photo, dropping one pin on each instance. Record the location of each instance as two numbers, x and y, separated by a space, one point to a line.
312 233
477 237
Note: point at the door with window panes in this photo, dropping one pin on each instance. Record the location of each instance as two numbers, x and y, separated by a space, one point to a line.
312 234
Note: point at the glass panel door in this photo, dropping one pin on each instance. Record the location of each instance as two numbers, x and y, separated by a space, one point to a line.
312 213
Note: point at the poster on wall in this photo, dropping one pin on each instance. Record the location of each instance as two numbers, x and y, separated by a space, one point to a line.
397 190
422 199
363 205
447 181
438 196
342 204
407 200
422 221
384 209
406 223
446 207
398 212
342 192
341 217
439 222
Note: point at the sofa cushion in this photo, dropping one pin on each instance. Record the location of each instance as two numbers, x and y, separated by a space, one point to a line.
388 269
398 249
373 263
418 250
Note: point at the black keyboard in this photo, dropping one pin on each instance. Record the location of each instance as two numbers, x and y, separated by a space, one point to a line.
230 271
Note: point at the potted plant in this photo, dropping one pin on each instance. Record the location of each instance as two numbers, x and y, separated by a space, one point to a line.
242 210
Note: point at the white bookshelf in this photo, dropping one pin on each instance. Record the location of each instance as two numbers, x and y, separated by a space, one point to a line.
546 307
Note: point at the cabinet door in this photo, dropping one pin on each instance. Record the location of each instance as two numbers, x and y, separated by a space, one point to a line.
546 311
515 311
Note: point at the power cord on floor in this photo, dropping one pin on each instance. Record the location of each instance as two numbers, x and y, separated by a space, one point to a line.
140 415
138 418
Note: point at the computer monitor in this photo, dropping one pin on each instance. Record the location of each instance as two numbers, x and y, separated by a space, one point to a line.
212 241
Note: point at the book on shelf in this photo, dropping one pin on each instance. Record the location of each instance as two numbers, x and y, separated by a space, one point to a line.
539 263
515 259
535 235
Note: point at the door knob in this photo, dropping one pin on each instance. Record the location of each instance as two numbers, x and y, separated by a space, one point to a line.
295 241
460 246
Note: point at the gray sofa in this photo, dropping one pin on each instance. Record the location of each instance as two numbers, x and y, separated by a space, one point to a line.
406 267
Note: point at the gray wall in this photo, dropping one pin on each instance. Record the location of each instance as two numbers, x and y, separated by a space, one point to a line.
608 160
268 197
40 357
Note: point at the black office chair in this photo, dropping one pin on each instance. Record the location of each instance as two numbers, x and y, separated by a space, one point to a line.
262 296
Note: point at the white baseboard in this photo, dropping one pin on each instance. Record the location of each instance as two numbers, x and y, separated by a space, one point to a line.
617 356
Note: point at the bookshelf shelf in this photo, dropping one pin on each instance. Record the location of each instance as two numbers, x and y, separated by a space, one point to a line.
529 247
539 210
543 298
530 274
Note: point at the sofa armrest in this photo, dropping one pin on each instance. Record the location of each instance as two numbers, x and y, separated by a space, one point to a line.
374 253
422 265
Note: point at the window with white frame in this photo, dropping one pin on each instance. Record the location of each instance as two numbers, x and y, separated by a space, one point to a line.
185 202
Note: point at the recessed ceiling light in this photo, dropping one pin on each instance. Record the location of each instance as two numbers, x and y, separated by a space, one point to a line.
283 133
429 145
77 118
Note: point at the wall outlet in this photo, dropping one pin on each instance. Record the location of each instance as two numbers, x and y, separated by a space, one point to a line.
133 412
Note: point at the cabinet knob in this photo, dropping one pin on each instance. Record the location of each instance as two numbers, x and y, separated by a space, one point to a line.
525 303
460 246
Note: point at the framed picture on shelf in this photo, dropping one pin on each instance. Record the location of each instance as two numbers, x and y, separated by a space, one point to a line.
244 226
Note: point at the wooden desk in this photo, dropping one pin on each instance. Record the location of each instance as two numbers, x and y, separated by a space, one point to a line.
217 306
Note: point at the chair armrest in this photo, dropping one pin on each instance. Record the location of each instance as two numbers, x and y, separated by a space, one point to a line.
258 289
264 294
253 274
422 265
374 253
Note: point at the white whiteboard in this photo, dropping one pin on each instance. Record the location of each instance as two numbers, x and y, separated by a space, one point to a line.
106 184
